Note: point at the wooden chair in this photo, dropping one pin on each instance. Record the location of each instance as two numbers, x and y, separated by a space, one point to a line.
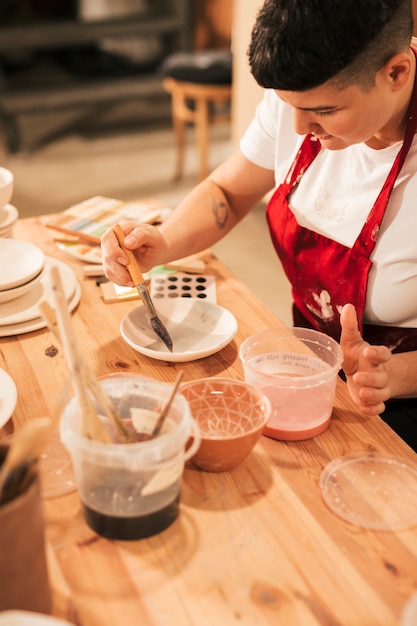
200 84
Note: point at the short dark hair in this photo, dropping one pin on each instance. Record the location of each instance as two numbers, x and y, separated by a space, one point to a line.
297 45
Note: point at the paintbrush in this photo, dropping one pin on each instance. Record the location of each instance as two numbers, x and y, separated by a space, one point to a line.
141 286
18 466
101 397
93 426
165 409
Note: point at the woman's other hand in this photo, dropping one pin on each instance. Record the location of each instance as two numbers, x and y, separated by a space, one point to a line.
364 366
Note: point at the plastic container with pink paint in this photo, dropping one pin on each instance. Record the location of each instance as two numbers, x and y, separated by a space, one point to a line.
296 368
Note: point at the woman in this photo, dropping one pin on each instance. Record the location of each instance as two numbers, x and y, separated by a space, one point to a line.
334 136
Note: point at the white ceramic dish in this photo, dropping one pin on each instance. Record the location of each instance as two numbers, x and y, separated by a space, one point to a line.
37 323
20 261
26 307
6 185
8 216
198 328
363 488
17 292
82 251
8 397
29 618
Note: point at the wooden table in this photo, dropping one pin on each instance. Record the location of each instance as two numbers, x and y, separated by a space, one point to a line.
255 546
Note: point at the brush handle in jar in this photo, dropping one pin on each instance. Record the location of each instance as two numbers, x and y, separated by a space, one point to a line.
93 426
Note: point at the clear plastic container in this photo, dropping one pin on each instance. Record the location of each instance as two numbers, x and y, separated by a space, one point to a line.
296 368
132 490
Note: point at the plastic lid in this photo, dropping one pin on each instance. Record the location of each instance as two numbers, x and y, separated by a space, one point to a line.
372 490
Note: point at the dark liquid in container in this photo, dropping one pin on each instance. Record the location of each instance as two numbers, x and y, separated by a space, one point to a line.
136 527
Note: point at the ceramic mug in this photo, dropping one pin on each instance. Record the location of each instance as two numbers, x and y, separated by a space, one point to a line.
23 565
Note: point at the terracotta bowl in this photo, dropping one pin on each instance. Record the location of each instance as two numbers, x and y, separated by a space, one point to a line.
231 415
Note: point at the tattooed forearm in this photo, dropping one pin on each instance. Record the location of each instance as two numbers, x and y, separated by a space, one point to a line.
220 212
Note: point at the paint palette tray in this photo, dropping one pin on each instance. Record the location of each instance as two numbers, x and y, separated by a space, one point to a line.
182 285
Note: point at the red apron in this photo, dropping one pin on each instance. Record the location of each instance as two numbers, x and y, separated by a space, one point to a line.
325 274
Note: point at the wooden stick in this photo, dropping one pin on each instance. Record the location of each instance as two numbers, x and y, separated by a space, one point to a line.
109 410
75 240
93 426
165 409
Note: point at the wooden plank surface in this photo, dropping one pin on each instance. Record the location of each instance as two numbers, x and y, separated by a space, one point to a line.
255 546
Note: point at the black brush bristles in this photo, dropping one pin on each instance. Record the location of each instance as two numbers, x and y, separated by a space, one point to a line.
162 332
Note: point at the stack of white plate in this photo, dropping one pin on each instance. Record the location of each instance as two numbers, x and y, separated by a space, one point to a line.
25 284
8 218
8 397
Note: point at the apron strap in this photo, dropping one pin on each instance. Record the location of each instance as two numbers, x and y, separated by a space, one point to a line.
306 154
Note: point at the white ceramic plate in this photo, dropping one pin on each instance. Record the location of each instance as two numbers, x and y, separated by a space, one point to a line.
29 618
20 261
197 328
8 397
38 322
26 307
82 251
8 215
17 292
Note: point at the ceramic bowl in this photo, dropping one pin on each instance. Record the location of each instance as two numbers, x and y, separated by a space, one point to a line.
6 186
8 218
6 295
231 416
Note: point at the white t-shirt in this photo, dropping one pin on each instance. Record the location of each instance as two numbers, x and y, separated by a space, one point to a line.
335 196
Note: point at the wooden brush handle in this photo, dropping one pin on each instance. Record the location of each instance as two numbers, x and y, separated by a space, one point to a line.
104 401
93 426
165 409
132 266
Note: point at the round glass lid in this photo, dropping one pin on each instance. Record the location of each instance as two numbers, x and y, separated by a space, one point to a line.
372 490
